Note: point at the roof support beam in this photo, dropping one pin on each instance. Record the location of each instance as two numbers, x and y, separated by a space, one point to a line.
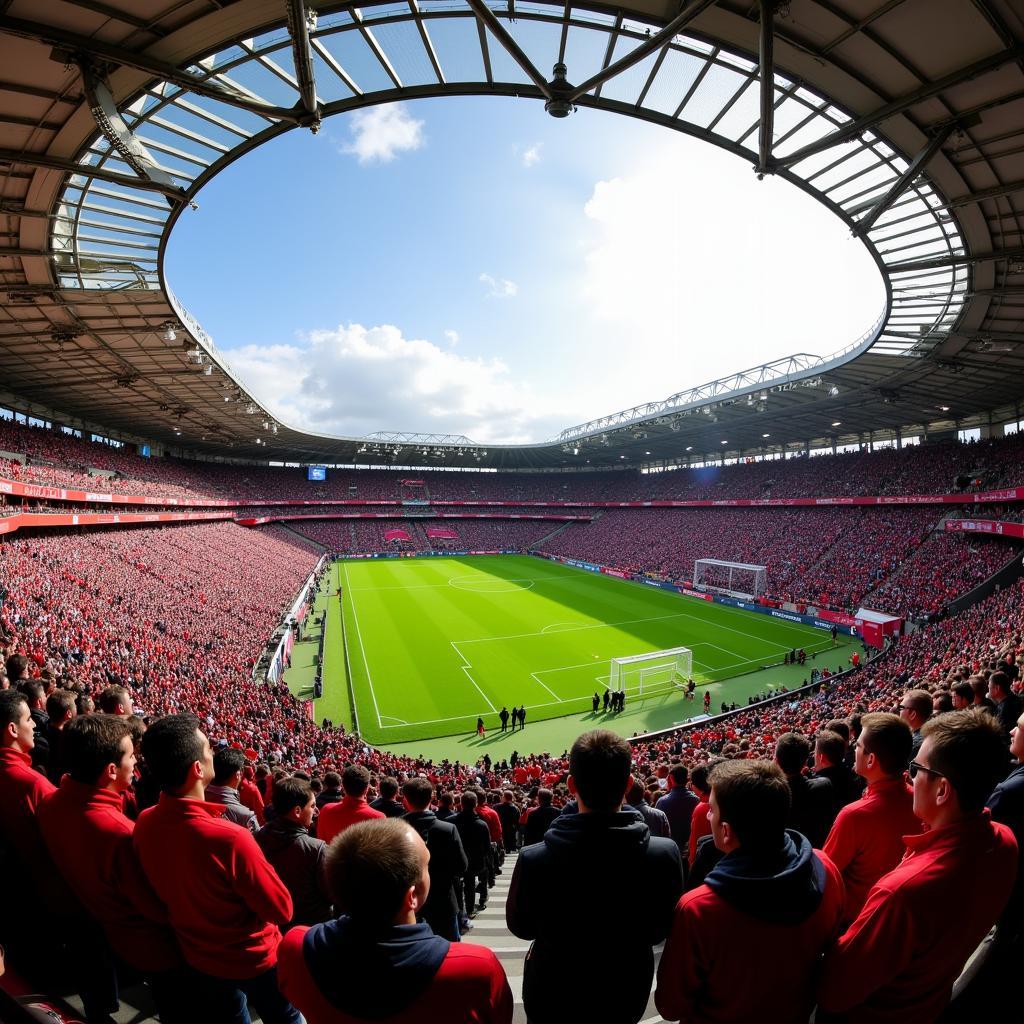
53 163
300 21
1016 253
81 46
690 11
766 128
116 132
904 181
996 192
486 16
861 124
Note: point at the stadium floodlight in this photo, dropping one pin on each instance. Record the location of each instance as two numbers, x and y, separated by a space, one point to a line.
647 675
208 370
168 333
833 391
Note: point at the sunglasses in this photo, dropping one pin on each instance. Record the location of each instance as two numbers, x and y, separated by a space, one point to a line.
915 767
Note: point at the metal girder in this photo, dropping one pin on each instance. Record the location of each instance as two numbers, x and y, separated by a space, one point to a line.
957 261
302 54
487 17
648 46
996 192
81 46
10 156
766 54
109 121
868 121
903 182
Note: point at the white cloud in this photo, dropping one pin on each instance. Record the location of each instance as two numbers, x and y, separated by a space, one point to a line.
700 289
499 288
453 337
354 380
531 155
380 133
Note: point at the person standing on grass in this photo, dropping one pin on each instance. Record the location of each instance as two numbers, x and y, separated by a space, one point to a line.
480 730
503 718
522 717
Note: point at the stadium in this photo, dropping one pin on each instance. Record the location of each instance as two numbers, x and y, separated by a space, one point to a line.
747 567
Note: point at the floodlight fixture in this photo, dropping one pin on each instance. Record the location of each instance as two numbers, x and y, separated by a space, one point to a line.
168 333
689 447
837 423
766 435
208 370
559 105
833 391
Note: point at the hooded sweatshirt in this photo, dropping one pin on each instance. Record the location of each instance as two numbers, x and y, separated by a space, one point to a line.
341 972
299 861
598 885
772 911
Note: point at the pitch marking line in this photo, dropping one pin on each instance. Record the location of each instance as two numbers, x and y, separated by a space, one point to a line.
466 665
545 685
366 664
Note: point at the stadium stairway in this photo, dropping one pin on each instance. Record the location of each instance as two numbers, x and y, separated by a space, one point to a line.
489 930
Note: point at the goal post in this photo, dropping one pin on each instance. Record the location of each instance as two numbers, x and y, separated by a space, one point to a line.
655 672
736 579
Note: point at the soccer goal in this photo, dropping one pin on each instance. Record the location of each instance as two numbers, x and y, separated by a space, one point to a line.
736 579
648 674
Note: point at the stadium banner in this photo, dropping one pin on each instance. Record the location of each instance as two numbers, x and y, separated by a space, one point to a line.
19 489
61 520
838 618
618 573
260 520
995 527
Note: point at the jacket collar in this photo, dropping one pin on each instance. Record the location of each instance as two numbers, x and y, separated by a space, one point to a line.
967 831
14 757
183 808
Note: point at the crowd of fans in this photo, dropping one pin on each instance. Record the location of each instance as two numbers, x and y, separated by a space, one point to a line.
58 459
148 624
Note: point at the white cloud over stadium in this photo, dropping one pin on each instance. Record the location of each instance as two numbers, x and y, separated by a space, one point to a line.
351 379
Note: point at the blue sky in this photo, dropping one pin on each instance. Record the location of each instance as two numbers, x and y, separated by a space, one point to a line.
475 266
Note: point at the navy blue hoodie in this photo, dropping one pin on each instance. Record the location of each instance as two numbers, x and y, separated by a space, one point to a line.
372 973
782 886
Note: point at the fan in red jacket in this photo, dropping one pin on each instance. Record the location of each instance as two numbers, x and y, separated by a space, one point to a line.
866 840
22 789
375 962
771 904
90 840
352 808
899 959
224 901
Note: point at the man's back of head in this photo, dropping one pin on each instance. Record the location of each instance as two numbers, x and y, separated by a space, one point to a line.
228 762
962 759
883 749
355 780
829 749
599 767
171 746
90 744
791 753
417 793
750 802
916 707
371 868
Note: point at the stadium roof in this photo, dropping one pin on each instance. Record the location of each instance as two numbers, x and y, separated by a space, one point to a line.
905 117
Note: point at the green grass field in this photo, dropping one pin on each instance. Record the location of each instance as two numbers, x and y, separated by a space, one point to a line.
430 644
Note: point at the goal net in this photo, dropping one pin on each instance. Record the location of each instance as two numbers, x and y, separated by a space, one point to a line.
646 674
733 578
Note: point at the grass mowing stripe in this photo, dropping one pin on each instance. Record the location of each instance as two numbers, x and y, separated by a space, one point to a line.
366 663
422 683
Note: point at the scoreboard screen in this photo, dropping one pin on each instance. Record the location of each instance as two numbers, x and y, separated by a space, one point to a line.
316 473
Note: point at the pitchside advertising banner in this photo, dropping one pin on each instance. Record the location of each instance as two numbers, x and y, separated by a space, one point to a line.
842 623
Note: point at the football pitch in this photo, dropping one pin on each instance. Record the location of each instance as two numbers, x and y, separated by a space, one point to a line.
430 644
